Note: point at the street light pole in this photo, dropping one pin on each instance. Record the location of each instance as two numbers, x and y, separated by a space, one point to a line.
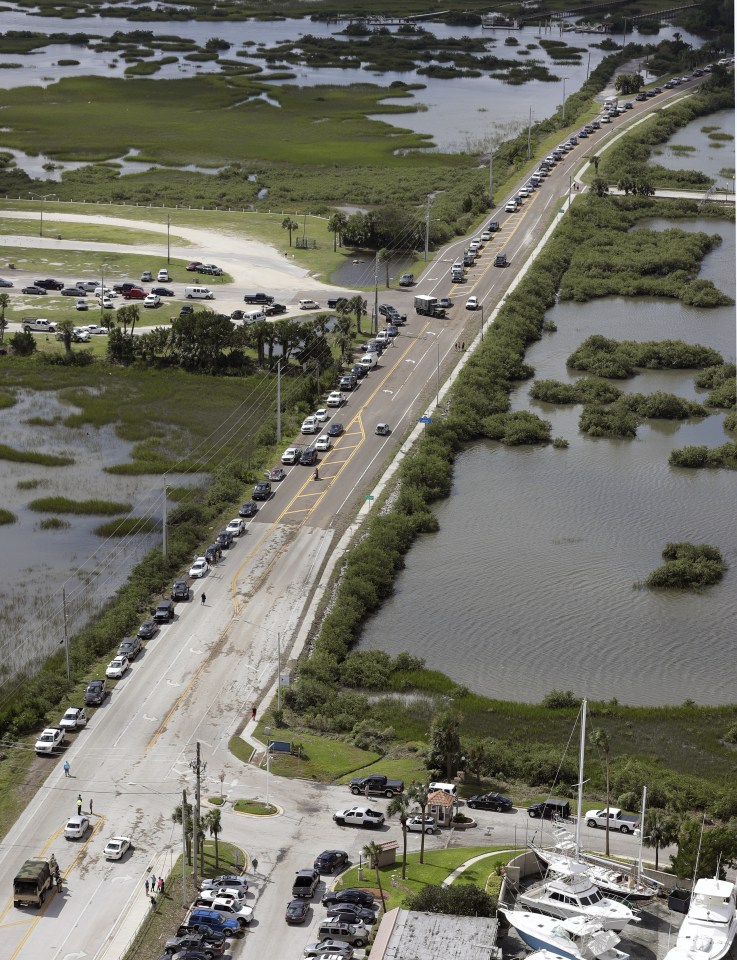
491 177
437 376
529 135
267 731
168 245
482 323
42 198
564 100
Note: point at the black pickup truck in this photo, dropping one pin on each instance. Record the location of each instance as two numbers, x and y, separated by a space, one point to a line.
258 298
376 784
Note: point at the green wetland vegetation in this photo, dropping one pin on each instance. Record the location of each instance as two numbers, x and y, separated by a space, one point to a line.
6 516
82 507
619 359
688 566
28 456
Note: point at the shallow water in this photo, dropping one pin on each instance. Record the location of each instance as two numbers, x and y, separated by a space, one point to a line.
530 583
709 156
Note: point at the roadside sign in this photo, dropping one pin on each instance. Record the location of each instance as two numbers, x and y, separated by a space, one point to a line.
369 496
425 420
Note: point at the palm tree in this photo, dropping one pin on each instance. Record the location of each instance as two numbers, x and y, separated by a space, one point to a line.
659 830
400 805
600 739
336 225
213 821
290 225
357 306
342 336
176 816
66 329
418 793
4 302
372 852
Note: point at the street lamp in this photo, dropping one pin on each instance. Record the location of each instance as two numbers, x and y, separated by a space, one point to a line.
482 323
564 100
267 731
42 198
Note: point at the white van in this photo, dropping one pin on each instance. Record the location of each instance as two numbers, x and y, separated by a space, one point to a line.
163 276
252 316
199 293
450 788
369 361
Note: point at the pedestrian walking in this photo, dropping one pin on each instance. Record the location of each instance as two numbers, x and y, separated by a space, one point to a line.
90 806
463 345
153 902
160 885
66 768
146 886
79 805
152 881
204 598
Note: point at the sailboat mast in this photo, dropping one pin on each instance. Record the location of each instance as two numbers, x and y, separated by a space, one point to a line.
642 831
579 811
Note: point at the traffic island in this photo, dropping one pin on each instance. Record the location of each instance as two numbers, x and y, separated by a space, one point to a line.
257 808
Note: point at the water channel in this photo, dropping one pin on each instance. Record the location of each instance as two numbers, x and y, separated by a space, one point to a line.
530 583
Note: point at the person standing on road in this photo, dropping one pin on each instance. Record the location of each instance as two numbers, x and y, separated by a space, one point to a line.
66 768
160 885
204 598
79 805
90 806
146 885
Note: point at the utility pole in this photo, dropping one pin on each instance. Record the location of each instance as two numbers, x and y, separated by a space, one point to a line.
564 100
66 629
278 401
185 901
376 294
164 546
198 768
529 135
427 227
168 245
491 177
278 677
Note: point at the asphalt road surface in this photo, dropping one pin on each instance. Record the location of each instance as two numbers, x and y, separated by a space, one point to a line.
197 680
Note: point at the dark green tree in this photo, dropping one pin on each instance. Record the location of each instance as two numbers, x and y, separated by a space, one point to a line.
336 225
399 806
458 899
660 829
291 225
24 344
445 742
717 853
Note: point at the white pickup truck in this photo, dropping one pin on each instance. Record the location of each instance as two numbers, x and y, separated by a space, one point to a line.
359 817
623 822
37 325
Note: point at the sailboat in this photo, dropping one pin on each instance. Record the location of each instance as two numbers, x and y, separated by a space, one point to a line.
710 926
568 889
574 939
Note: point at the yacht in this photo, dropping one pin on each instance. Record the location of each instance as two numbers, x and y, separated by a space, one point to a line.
568 891
573 939
709 928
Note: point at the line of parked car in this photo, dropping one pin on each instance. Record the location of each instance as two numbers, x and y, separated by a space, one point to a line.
218 913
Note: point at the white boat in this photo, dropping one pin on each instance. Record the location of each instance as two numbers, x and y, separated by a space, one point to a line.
710 926
614 880
573 939
568 891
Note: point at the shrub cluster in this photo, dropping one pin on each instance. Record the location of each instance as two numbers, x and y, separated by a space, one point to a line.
618 358
688 566
724 456
585 390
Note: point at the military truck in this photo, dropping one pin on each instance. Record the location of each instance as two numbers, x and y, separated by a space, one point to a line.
34 879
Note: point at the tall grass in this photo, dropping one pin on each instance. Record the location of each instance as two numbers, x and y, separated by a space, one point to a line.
6 516
126 527
26 456
91 507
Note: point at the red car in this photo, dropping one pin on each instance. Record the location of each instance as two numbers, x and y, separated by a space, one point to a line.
135 293
194 266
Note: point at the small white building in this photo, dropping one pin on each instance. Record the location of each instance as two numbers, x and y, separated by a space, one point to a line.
409 935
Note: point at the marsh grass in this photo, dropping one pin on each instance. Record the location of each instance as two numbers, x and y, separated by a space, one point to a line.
32 484
54 523
6 516
7 399
90 507
27 456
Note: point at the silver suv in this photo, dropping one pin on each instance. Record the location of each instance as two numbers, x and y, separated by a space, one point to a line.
356 934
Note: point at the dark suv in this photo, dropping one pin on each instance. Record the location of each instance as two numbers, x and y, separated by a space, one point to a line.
549 809
164 612
262 490
308 457
49 284
180 590
224 539
130 648
95 693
